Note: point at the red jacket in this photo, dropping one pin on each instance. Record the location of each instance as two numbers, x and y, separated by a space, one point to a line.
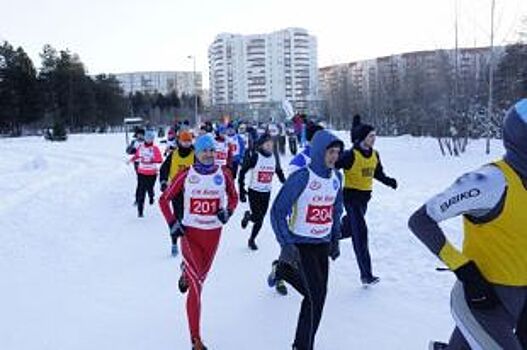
148 157
177 186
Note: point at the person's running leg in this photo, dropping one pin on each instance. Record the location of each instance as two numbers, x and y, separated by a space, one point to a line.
235 165
320 292
137 186
151 185
489 329
314 273
457 341
359 238
177 206
142 184
259 203
198 248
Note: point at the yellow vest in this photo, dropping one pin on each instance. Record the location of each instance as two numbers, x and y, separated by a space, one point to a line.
179 163
360 176
499 248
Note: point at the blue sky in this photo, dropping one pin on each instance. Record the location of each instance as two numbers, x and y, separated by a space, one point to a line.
121 36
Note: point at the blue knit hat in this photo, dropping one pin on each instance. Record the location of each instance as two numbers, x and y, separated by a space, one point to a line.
204 142
221 129
515 137
150 136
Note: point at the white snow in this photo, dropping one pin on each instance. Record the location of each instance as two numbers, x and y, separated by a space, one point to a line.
79 270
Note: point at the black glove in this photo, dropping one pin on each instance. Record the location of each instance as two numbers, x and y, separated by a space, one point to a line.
290 255
177 229
243 195
163 186
334 249
223 215
391 183
479 292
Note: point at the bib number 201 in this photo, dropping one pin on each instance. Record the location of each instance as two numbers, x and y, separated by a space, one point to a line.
204 206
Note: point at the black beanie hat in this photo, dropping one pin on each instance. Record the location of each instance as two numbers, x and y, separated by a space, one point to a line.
362 131
311 129
264 138
356 120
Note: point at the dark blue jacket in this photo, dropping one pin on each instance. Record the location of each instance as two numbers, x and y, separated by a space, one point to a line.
241 146
296 184
300 159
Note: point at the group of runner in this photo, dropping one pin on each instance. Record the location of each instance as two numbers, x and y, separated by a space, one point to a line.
199 196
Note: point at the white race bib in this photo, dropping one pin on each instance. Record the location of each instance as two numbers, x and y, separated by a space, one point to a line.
221 153
313 212
204 197
262 174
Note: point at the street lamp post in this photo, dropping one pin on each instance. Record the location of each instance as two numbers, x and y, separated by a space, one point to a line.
491 77
196 117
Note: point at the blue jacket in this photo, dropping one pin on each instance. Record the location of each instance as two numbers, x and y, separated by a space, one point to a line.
296 184
241 145
299 161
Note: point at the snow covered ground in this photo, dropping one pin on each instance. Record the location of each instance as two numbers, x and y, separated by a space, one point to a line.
79 270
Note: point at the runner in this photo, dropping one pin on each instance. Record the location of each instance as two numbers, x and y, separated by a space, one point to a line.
148 155
176 162
305 218
361 165
209 199
263 165
489 301
236 146
223 155
138 139
171 142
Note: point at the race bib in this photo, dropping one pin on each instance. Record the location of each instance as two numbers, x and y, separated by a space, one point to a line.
368 172
319 214
204 206
221 155
265 177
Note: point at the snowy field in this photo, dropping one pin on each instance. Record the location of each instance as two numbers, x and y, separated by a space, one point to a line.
79 270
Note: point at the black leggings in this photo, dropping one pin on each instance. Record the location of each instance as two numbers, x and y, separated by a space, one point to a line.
177 206
145 183
310 280
356 223
234 169
259 203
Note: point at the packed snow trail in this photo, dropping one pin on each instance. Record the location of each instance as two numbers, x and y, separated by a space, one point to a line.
81 271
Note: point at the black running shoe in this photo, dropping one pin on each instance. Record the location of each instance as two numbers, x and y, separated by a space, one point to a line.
435 345
252 245
281 288
183 284
198 345
370 281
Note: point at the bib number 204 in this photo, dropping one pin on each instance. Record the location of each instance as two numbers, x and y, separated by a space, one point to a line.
319 214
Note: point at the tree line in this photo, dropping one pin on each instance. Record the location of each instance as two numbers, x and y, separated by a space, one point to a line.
442 93
164 109
61 93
